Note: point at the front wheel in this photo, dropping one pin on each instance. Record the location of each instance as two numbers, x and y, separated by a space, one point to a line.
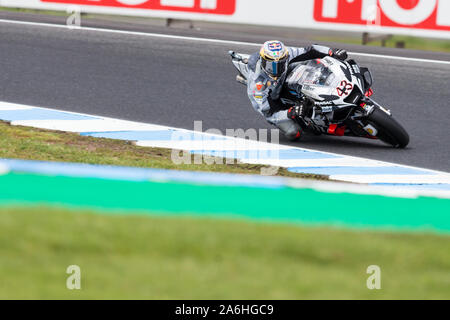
389 130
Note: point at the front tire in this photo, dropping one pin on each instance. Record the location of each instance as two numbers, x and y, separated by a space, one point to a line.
389 130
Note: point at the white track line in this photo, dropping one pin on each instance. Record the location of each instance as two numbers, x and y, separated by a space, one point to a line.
168 36
381 56
406 179
94 125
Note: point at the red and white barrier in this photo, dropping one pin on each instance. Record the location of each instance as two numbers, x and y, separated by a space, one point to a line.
429 18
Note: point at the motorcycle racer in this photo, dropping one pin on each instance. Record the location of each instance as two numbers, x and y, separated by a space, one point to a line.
267 71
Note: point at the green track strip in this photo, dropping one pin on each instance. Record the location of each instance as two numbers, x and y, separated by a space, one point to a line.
290 205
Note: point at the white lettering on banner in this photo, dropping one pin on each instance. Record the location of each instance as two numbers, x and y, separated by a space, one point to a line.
393 10
443 16
412 16
204 4
330 8
369 10
132 2
425 15
208 4
178 3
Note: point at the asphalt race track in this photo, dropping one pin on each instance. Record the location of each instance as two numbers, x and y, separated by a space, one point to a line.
176 82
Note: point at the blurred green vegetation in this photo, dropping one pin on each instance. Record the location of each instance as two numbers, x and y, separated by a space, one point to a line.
135 257
414 43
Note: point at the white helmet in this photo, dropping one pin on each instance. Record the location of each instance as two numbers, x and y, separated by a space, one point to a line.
274 58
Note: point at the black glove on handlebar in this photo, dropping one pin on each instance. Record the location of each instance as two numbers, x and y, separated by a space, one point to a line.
300 111
340 54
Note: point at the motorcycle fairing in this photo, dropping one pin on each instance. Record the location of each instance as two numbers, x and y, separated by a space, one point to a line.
326 80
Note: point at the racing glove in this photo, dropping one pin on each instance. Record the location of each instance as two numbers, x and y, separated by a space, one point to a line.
340 54
298 112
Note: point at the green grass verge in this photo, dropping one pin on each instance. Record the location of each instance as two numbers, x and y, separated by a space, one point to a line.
46 145
36 11
134 257
414 43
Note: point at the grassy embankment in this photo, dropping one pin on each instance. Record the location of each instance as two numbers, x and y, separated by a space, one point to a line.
35 144
183 258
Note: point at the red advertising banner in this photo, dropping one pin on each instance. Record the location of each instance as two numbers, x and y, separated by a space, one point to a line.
416 14
224 7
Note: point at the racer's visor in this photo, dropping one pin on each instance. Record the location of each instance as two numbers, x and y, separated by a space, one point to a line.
274 68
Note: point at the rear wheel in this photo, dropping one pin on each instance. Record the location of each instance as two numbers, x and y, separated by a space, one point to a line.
389 130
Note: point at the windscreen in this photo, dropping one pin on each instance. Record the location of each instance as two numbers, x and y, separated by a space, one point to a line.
312 73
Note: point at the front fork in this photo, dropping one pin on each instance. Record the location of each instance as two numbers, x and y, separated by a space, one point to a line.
371 104
368 105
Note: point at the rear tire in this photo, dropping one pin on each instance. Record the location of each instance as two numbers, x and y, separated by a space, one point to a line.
389 130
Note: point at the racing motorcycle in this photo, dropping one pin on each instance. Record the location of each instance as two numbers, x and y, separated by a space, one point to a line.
340 92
